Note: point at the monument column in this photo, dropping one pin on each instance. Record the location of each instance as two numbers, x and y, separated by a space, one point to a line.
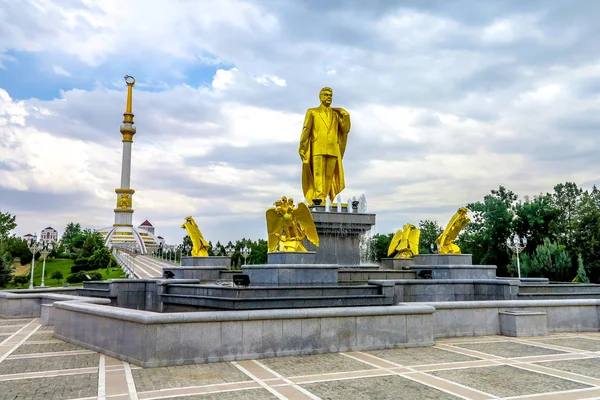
124 209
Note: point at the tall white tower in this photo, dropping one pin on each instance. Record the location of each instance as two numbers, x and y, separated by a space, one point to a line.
124 210
122 232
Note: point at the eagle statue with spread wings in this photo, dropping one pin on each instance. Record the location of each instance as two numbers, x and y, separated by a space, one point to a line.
405 242
446 240
288 226
199 245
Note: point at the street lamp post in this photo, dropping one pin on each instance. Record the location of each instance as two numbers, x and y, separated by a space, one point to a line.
229 250
517 245
33 246
246 252
46 249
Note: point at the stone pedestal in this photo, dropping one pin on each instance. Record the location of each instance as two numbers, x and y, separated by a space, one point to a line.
291 275
518 323
289 257
452 266
202 268
339 235
210 261
443 259
397 263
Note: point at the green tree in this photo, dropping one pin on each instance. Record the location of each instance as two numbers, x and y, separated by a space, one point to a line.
586 234
6 269
20 280
187 245
100 259
566 198
491 224
259 252
57 275
550 260
536 220
581 276
430 231
92 242
7 223
380 244
72 230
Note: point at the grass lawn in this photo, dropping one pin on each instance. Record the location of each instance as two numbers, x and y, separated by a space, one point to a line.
64 266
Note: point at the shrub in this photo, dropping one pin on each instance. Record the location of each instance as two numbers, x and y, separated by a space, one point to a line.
80 276
57 275
581 275
85 267
20 280
81 261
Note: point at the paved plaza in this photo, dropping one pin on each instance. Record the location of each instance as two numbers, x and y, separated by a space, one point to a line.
34 365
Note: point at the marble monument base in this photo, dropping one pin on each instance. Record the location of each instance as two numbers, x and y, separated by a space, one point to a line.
292 257
397 263
202 268
340 234
209 261
291 275
451 266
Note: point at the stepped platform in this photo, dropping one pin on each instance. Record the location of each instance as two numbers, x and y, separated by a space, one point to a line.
559 291
178 297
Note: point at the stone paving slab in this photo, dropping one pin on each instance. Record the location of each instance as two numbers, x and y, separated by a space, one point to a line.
587 366
39 336
507 381
19 366
574 343
254 394
55 388
420 356
313 364
378 388
26 348
8 330
475 368
46 328
147 379
509 349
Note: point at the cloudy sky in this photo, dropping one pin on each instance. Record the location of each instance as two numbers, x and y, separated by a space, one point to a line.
448 100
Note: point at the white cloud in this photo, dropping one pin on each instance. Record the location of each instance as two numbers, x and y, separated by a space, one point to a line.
58 70
444 108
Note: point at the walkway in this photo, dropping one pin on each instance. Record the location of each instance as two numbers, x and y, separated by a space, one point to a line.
34 365
149 267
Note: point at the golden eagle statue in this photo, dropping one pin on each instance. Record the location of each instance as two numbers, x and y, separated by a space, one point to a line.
199 245
287 226
456 224
405 242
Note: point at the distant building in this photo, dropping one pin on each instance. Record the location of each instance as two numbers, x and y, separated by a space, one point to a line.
28 236
160 240
49 234
147 226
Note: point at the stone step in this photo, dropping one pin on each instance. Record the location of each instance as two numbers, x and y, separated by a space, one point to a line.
560 288
363 275
551 296
275 302
94 292
275 291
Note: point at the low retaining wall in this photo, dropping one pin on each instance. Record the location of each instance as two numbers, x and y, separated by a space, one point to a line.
152 340
427 290
479 318
35 305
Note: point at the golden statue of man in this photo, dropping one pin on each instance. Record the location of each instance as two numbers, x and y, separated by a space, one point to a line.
322 147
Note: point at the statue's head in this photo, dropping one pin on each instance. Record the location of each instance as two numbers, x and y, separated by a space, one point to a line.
326 96
463 211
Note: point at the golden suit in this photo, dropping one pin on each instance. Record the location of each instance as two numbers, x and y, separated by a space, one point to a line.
324 135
